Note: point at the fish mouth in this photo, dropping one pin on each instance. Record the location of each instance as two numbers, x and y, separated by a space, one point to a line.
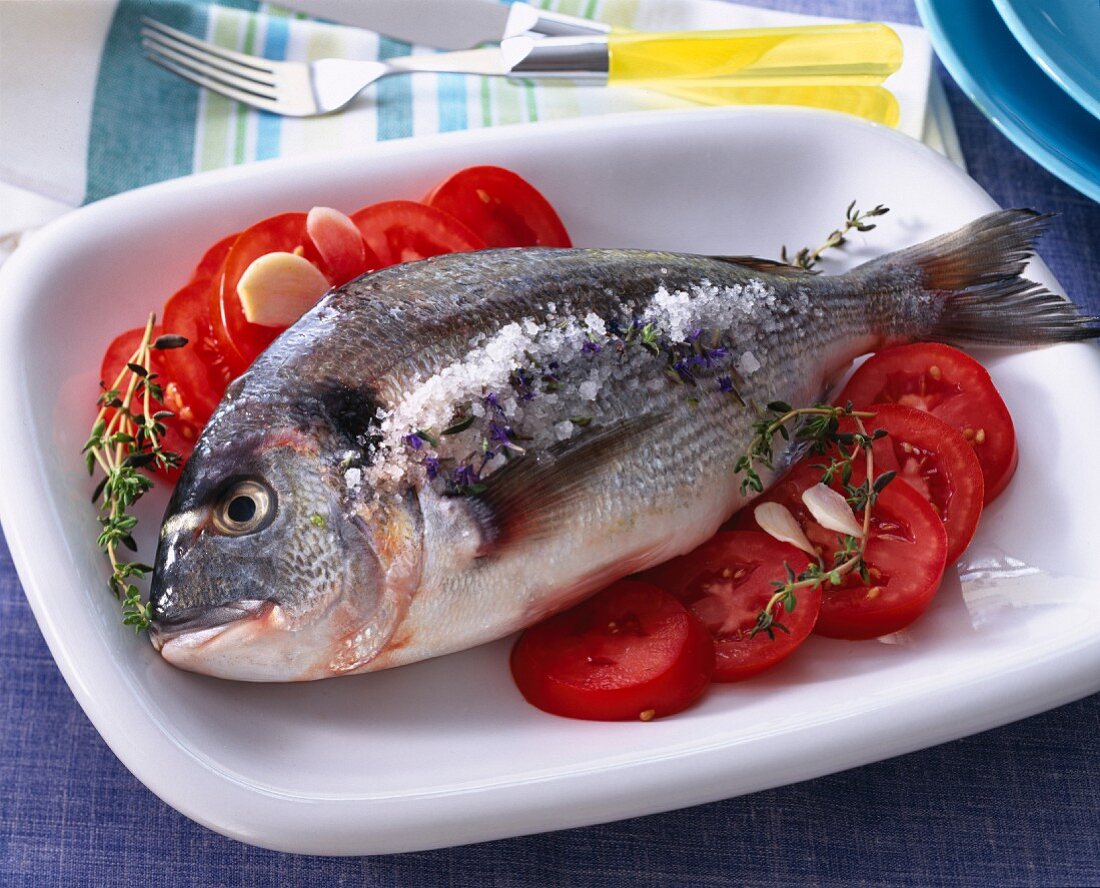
197 625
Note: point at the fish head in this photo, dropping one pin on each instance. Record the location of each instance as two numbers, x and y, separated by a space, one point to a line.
269 568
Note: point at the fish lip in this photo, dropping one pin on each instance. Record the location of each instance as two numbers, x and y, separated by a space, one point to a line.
207 621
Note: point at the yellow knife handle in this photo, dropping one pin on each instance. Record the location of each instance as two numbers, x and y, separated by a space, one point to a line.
860 53
874 103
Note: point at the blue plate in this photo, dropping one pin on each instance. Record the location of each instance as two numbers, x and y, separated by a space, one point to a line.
1063 36
1013 92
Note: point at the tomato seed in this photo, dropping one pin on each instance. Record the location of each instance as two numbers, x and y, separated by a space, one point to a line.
647 715
980 436
599 661
935 372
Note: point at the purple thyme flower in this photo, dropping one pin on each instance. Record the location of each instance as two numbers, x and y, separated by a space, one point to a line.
465 476
685 374
499 432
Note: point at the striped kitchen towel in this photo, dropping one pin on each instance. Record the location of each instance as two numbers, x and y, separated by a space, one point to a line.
107 120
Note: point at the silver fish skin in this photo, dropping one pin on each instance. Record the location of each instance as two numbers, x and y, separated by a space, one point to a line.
443 452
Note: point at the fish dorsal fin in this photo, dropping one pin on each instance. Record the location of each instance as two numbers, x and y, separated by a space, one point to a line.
533 495
767 266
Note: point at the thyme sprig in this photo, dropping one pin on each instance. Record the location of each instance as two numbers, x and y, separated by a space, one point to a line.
122 444
819 427
853 219
816 426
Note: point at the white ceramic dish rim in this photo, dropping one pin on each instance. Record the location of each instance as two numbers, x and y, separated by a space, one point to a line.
689 774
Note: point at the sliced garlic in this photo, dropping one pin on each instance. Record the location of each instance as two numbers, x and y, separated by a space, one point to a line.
777 521
278 288
831 510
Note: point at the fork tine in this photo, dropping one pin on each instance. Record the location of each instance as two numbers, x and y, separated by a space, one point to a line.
202 69
247 98
163 31
236 75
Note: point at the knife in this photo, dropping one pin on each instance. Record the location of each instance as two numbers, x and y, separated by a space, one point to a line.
857 53
447 24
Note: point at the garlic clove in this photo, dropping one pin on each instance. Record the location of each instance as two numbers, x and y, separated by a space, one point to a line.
278 288
831 510
777 521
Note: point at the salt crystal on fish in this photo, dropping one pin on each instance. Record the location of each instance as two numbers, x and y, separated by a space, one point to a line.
353 478
748 364
589 389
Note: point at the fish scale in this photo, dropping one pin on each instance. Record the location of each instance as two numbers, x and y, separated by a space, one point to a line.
383 541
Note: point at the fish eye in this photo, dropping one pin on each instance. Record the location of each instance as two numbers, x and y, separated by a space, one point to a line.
245 507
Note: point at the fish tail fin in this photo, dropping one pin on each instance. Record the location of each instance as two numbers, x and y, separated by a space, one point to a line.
974 277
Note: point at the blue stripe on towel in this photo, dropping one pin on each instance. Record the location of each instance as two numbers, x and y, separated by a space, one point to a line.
394 95
124 151
269 126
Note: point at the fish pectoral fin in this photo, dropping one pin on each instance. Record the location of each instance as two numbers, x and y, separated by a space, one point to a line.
530 497
767 266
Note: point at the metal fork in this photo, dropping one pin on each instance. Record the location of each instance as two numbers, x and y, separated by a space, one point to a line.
301 89
295 89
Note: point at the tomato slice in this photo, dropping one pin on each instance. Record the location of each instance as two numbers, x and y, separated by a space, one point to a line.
950 385
181 430
726 583
212 261
631 651
503 208
237 340
934 459
197 368
905 557
405 231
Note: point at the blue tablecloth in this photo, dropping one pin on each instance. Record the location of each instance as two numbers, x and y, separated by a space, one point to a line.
1014 806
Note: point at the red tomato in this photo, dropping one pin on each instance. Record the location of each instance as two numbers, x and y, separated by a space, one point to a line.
935 460
213 259
631 651
950 385
726 583
905 557
182 430
238 341
405 231
199 369
504 209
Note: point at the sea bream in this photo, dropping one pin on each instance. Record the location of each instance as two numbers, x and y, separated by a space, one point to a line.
443 452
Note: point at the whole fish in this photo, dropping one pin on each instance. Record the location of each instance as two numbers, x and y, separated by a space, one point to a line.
443 452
